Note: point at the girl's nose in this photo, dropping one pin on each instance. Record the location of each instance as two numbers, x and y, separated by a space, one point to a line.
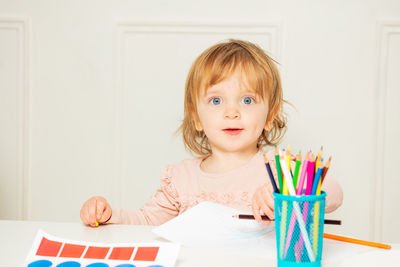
232 113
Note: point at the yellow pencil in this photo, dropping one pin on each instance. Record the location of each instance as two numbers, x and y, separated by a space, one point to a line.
288 157
316 224
318 159
317 206
285 189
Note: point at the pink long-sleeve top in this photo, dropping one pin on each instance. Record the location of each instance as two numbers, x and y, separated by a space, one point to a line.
184 185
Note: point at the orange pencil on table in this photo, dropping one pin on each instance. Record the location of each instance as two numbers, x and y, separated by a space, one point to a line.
357 241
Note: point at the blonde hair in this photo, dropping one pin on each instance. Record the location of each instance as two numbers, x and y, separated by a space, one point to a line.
215 65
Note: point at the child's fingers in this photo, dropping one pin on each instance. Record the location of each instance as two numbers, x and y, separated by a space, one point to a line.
260 203
268 199
84 214
265 209
92 212
256 210
106 214
100 207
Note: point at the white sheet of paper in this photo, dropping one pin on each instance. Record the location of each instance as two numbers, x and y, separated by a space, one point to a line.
166 254
211 225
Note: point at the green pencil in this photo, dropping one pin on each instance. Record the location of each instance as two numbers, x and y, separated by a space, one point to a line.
278 169
296 170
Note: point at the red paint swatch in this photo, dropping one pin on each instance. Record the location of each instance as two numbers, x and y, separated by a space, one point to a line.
121 253
146 254
72 251
48 248
96 253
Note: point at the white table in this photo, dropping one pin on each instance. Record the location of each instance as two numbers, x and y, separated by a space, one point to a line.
17 238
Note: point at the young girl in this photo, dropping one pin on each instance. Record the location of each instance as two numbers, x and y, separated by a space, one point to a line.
233 108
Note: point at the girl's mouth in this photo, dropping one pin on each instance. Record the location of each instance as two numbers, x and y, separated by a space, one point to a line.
232 131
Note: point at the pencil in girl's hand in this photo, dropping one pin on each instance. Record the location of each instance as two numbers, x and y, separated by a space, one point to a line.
271 176
266 218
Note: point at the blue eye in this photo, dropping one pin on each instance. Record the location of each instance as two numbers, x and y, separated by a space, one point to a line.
216 100
248 100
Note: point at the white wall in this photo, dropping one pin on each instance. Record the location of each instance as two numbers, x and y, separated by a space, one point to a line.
92 91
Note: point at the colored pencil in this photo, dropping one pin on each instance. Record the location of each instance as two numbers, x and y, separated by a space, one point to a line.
271 176
288 158
296 170
266 218
299 216
284 203
285 189
300 185
310 176
318 159
298 192
326 168
278 169
317 205
317 180
357 241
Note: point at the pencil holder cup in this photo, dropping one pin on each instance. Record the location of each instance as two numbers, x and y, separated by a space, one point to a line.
299 227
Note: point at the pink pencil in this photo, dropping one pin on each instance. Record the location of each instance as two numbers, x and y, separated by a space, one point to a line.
310 177
298 193
300 185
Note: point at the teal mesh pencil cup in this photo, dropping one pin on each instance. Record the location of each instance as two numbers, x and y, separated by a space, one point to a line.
299 227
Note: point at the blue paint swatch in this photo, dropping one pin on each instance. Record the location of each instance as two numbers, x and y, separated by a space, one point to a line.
97 264
40 263
125 265
69 264
155 266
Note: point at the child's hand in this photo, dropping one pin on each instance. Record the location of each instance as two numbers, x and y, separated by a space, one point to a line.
263 200
95 209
